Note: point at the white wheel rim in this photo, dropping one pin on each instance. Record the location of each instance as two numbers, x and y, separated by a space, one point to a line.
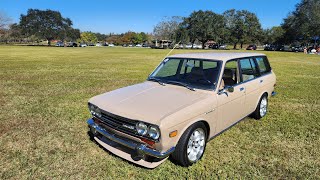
196 145
263 106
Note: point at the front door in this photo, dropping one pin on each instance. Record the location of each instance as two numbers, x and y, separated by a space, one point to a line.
230 104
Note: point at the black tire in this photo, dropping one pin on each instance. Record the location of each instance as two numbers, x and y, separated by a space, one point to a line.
180 155
257 114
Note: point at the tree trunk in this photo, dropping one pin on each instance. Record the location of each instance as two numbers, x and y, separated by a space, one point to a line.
235 46
49 42
192 43
203 42
241 45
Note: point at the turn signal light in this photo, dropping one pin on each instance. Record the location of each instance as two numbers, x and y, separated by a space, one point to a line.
173 133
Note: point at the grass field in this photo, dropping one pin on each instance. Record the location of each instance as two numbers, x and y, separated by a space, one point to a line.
43 132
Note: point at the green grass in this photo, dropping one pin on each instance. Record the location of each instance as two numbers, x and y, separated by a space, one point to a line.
43 132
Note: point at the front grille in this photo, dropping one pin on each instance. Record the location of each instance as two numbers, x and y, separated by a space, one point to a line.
119 123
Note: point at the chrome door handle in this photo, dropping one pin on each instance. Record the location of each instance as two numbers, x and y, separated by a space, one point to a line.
242 88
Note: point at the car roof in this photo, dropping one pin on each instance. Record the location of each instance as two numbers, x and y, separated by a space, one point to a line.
215 56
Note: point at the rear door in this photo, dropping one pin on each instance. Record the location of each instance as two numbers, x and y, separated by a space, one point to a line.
249 75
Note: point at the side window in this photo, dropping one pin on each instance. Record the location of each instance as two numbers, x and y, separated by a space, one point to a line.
249 69
263 65
230 74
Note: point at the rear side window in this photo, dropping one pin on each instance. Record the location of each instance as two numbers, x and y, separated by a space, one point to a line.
249 69
264 66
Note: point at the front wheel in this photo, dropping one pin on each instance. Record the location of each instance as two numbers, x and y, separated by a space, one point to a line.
191 145
262 108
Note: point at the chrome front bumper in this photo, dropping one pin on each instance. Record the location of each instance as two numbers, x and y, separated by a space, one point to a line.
140 148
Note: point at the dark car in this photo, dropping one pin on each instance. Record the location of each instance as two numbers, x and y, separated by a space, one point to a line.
214 46
297 49
218 46
270 47
252 47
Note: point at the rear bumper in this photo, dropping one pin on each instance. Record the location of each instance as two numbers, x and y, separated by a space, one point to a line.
141 149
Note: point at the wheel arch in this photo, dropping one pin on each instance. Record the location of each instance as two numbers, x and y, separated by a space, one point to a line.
201 120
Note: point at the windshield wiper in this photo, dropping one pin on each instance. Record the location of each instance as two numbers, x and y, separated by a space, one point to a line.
182 84
157 80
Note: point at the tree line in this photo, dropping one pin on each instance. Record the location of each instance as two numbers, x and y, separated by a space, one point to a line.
236 27
239 27
49 25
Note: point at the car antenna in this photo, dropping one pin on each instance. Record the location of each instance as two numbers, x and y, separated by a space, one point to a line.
172 49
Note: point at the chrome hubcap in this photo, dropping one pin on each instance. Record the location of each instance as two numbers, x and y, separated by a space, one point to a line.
263 106
196 145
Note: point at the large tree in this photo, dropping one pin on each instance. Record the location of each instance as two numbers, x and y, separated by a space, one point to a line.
166 29
4 26
303 24
88 37
204 26
4 21
273 35
242 26
47 24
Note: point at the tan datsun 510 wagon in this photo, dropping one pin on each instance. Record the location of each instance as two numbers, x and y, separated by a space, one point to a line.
185 102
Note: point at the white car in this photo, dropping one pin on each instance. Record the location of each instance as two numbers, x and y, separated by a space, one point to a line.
98 44
189 46
138 45
111 45
83 45
197 46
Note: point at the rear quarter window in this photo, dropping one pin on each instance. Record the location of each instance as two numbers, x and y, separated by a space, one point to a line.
264 66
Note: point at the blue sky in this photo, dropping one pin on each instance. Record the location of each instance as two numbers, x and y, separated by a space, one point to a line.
119 16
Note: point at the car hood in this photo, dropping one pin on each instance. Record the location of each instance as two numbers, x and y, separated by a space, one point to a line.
148 101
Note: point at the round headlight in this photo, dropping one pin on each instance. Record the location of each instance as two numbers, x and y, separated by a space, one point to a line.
98 112
154 132
94 110
142 129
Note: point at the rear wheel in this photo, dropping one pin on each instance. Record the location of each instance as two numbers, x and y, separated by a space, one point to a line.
191 145
262 108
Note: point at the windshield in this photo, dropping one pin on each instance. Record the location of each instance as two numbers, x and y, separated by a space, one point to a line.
194 73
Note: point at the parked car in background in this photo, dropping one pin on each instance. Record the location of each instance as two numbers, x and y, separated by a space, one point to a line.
197 46
59 44
214 46
187 101
223 47
83 45
72 44
111 45
252 47
138 45
283 48
145 45
188 46
270 47
98 44
297 48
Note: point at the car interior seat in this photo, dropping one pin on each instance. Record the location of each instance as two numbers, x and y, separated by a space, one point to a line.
228 75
